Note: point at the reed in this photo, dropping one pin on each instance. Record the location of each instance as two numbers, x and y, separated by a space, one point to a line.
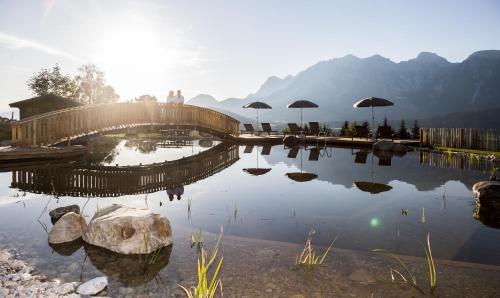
423 216
430 264
309 258
204 288
197 238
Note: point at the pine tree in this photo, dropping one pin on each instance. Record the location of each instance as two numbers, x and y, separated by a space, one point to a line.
352 128
415 131
344 131
402 133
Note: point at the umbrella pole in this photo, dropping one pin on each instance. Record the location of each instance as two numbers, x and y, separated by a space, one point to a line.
257 121
373 124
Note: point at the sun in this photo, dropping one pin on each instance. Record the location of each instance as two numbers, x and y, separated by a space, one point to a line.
134 57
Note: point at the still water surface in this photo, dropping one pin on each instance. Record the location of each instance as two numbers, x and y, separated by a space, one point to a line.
219 182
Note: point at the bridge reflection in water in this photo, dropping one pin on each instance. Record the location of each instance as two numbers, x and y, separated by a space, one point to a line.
110 181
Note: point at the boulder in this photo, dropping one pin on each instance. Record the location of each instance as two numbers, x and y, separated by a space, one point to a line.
93 286
127 230
68 228
383 145
57 213
487 194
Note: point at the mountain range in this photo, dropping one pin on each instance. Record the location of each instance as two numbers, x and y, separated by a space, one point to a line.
427 87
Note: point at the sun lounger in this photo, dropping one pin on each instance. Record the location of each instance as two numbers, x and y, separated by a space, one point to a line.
293 152
314 154
361 157
315 129
248 149
294 129
360 132
266 127
266 150
248 129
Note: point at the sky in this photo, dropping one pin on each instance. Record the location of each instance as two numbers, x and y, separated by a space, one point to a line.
226 48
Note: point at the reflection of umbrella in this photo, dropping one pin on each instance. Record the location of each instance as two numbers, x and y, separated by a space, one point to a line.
372 102
372 187
256 171
257 105
301 176
301 104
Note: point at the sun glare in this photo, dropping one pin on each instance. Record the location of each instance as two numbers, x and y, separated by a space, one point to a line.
134 57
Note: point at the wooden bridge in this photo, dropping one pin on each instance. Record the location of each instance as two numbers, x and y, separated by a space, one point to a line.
62 125
110 181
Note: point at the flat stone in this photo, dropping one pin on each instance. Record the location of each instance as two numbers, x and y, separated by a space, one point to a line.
5 255
361 275
57 213
66 288
93 286
68 228
487 194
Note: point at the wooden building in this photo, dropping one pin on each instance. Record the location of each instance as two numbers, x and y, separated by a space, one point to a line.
42 104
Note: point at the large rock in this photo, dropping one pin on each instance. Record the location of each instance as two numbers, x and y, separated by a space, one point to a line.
126 230
57 213
383 145
93 286
487 194
68 228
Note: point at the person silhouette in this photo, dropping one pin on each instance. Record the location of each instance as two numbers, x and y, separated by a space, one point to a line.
171 97
179 98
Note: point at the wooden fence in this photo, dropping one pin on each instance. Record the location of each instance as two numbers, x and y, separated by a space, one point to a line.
58 126
461 138
456 161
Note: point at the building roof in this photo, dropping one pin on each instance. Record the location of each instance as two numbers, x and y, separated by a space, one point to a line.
45 97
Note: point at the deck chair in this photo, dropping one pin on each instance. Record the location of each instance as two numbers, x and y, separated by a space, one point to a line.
385 132
293 152
361 157
248 149
315 129
385 160
248 129
314 154
266 127
294 129
266 150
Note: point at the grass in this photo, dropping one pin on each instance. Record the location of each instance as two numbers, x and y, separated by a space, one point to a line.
204 288
482 152
197 238
309 258
408 276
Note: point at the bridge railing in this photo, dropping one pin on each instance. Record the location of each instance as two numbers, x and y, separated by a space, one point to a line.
58 126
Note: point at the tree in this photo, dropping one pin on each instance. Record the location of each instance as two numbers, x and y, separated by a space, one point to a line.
48 81
352 128
147 97
415 131
403 132
92 88
344 131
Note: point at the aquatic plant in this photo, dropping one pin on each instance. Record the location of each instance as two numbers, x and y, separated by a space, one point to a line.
204 289
404 211
197 238
423 216
411 278
308 257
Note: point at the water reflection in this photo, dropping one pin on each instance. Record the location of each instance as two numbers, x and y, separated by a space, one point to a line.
266 150
314 153
113 181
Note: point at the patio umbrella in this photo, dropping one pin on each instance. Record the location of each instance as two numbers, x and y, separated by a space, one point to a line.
302 104
257 105
301 176
373 102
256 171
372 187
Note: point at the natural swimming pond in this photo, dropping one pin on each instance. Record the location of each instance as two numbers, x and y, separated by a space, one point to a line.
254 192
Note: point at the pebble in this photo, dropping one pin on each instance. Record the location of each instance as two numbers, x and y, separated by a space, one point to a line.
361 275
93 286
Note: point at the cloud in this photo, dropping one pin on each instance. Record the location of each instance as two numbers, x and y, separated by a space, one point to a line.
14 42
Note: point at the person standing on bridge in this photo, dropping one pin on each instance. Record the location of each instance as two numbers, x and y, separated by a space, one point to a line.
171 97
179 99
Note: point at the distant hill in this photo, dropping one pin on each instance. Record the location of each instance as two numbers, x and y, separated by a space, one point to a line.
425 87
475 119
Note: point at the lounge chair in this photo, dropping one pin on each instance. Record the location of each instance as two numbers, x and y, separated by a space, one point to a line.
293 152
294 129
315 129
314 154
248 129
385 132
266 127
248 149
360 132
361 157
266 150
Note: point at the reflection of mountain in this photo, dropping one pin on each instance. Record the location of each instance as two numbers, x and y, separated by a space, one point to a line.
109 181
341 169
